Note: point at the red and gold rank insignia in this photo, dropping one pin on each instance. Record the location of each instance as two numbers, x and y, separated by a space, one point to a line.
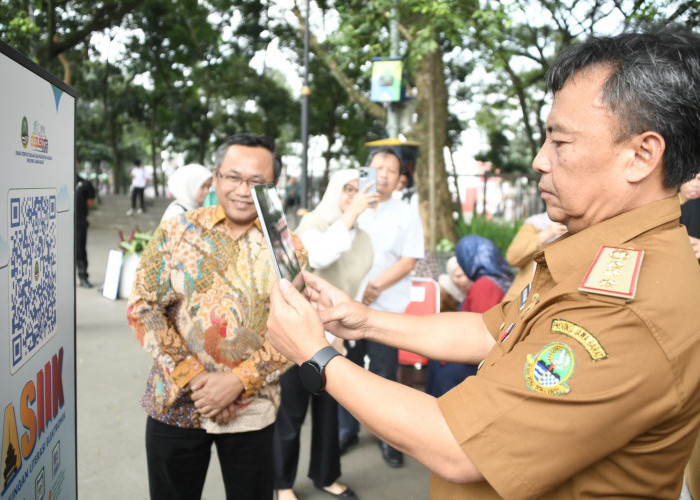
615 272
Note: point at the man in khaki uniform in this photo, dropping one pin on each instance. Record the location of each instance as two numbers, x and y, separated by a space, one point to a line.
590 382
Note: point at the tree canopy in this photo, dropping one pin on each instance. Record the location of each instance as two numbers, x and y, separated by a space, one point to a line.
184 79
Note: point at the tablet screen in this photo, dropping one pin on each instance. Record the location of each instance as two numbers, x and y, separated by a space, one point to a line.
279 240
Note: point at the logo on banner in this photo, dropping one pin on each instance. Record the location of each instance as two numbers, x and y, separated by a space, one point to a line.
40 485
35 143
29 427
38 140
25 132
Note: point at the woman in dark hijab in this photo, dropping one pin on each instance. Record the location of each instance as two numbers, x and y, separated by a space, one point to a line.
487 278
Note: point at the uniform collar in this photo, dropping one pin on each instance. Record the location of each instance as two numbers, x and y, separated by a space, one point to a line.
616 231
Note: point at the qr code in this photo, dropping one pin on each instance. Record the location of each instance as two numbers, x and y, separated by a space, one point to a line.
32 238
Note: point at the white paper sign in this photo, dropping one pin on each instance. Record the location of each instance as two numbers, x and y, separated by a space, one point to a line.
417 294
114 267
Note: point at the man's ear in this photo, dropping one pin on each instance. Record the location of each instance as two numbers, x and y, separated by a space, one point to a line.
648 148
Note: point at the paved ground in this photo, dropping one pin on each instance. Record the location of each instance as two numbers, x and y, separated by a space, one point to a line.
111 374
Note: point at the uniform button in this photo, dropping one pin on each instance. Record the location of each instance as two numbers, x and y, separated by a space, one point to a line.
502 325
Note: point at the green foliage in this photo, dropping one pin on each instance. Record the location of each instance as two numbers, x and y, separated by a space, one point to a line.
334 114
515 41
445 246
19 30
184 81
501 233
57 27
504 154
134 243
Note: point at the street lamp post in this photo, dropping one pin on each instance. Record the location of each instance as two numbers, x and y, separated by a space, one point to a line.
392 115
305 93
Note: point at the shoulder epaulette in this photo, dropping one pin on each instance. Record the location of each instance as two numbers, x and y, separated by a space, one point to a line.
614 272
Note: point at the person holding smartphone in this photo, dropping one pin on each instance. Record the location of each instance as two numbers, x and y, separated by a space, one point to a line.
396 232
589 386
341 253
368 179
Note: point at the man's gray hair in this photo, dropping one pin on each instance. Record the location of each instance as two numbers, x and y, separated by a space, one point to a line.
654 85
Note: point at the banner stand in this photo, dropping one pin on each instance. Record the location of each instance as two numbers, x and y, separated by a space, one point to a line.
37 282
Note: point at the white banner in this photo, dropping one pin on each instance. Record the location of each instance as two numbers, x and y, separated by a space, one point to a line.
37 283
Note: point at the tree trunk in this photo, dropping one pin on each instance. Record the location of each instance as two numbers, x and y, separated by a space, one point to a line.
202 149
66 68
113 133
432 123
154 148
328 154
116 157
524 107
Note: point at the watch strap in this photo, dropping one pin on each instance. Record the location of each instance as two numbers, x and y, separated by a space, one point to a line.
323 356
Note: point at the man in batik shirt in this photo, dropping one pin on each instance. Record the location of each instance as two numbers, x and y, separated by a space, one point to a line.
199 306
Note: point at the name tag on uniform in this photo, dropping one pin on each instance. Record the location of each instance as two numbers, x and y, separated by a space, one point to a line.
524 294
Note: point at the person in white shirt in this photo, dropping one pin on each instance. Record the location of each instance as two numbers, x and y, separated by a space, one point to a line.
342 254
139 180
397 239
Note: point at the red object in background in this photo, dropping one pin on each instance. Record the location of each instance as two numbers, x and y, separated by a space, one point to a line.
469 200
425 299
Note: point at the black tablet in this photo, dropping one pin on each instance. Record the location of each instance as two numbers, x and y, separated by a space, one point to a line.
279 240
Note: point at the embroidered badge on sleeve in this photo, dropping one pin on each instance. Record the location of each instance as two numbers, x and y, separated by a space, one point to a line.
615 272
589 342
548 371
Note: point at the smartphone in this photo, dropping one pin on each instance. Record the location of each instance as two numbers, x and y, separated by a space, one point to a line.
279 240
367 175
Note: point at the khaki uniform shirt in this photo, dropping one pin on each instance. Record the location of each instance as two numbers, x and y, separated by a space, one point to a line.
588 395
520 254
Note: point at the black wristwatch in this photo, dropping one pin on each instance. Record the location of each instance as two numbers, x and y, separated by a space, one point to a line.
311 371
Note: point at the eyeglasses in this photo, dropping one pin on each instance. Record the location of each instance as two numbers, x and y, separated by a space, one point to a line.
350 189
234 181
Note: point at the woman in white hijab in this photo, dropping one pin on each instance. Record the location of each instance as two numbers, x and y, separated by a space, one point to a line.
189 186
342 254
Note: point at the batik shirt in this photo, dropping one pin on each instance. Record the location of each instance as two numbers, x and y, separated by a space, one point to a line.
200 302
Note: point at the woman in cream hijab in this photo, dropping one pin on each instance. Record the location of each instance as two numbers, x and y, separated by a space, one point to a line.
453 286
338 251
189 186
342 254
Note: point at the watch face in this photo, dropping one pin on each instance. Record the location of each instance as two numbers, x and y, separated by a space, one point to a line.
311 377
